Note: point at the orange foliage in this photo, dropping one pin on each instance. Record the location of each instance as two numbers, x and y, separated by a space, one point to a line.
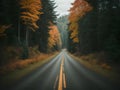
31 12
54 36
79 9
75 40
74 32
21 64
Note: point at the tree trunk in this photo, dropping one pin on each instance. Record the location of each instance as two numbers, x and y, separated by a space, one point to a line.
19 40
27 36
25 54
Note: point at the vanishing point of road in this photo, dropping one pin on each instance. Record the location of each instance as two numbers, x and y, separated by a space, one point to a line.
63 73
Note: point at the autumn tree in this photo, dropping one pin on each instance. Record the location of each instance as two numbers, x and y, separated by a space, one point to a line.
30 14
79 9
54 40
62 24
49 15
22 26
8 26
98 28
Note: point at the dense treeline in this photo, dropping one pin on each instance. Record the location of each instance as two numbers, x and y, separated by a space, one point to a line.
24 24
62 24
94 27
47 17
54 40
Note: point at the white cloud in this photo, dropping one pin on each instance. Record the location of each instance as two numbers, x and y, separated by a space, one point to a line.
63 6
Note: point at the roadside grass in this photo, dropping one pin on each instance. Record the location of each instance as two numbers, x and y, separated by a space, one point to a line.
14 71
91 62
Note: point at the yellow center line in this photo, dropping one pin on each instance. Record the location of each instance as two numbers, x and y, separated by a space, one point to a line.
60 76
64 80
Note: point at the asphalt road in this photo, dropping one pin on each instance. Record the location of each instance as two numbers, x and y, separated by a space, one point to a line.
63 73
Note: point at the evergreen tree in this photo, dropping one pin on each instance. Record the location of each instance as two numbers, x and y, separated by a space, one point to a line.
30 12
98 30
62 24
48 16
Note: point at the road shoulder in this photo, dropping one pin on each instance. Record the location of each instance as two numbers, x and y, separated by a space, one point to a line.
110 74
13 77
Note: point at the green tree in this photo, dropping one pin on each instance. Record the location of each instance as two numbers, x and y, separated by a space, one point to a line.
62 24
49 15
98 29
30 14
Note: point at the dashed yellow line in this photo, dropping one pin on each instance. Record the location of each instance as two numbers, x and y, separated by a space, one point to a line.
64 80
60 76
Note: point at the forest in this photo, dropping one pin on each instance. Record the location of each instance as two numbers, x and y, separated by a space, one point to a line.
30 27
94 28
44 48
62 24
27 26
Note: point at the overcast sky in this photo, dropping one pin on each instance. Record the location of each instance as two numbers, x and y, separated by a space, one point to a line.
63 6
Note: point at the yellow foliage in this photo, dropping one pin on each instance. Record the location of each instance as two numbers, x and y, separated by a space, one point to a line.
73 26
79 9
76 40
21 64
54 36
30 13
74 34
30 16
